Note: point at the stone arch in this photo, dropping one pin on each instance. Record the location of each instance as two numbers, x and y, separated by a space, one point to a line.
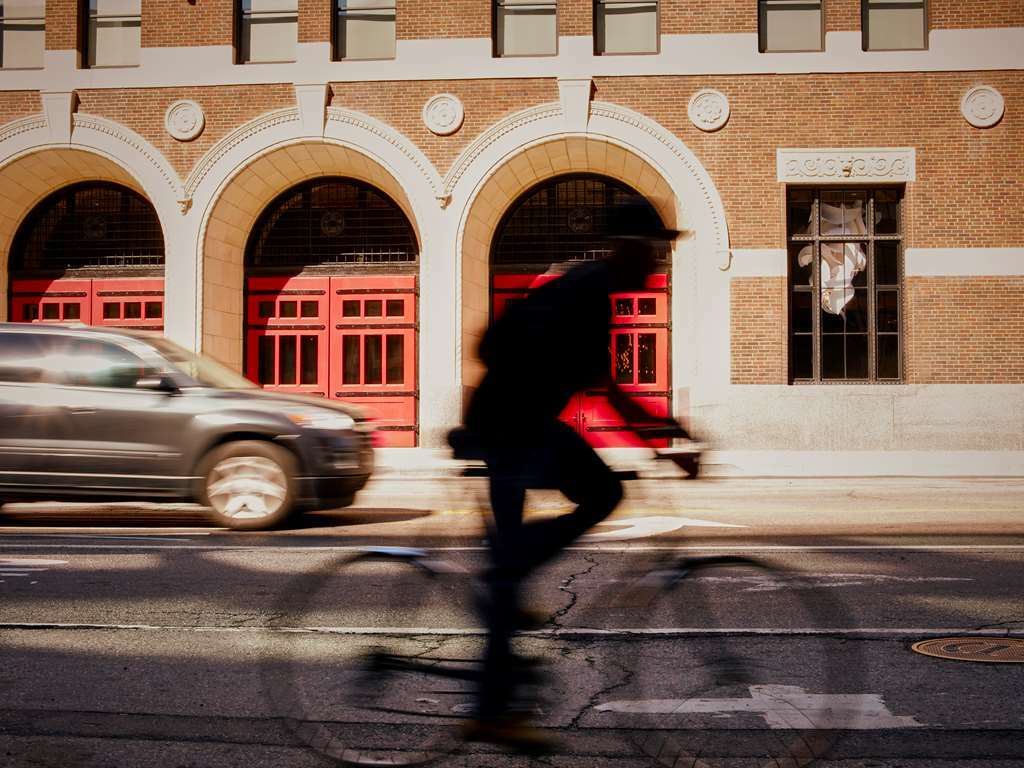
540 143
238 205
34 163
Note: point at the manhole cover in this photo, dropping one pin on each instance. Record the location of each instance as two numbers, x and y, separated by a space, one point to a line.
994 649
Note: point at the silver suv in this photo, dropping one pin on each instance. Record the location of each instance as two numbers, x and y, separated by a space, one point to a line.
91 414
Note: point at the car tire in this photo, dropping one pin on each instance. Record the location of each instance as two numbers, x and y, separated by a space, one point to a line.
249 485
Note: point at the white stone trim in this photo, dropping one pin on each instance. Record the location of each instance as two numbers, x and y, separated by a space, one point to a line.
59 108
758 262
949 50
708 109
443 114
312 106
963 262
982 106
574 94
846 165
184 119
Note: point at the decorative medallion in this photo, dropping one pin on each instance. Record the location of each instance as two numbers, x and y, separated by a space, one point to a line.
94 227
581 220
184 120
332 223
982 106
443 114
709 109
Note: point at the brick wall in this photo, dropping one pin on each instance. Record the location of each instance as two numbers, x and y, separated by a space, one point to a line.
226 108
757 330
964 330
967 177
315 18
400 104
173 23
954 14
842 15
679 17
575 17
15 104
61 25
425 19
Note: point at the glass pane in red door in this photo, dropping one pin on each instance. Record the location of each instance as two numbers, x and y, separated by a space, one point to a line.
286 360
647 355
372 359
350 360
623 358
396 359
267 360
310 359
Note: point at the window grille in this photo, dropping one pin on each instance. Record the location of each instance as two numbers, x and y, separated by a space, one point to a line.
845 281
113 33
89 225
525 28
790 25
562 220
364 29
894 25
268 30
22 33
331 222
626 26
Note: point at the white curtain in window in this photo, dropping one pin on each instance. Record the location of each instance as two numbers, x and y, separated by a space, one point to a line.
366 29
840 262
526 28
270 30
115 33
896 25
791 25
627 27
22 33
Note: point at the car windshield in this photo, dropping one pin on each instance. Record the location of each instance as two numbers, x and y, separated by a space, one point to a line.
205 371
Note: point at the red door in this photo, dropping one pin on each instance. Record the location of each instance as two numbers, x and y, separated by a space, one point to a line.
346 338
118 302
286 333
639 346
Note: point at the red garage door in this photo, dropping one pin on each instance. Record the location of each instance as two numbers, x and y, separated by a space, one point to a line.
117 302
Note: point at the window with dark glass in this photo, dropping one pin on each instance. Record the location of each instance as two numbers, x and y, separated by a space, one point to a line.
626 26
790 25
845 286
364 29
894 25
268 30
525 28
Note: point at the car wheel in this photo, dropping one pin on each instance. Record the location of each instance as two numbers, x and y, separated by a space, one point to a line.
249 485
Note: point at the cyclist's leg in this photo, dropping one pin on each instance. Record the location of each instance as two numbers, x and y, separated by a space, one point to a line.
575 469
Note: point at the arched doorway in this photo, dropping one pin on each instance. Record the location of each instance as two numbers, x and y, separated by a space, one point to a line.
563 221
331 301
91 252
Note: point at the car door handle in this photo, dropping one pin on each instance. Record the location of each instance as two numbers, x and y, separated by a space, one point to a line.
82 411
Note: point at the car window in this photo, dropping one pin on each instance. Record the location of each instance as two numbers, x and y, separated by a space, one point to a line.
92 363
27 358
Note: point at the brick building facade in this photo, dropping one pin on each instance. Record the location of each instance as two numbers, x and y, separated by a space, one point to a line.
891 341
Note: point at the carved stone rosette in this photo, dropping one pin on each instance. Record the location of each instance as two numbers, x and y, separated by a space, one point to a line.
184 120
708 109
443 114
982 106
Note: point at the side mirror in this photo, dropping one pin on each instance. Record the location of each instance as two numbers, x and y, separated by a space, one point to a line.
158 382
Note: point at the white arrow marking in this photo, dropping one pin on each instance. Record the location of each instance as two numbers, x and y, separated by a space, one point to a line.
642 527
20 567
783 707
773 582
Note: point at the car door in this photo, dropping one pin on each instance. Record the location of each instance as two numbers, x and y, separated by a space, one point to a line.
122 432
33 421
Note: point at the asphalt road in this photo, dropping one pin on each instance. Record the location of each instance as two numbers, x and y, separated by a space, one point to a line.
136 636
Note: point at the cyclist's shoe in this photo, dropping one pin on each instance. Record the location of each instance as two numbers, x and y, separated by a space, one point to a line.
510 731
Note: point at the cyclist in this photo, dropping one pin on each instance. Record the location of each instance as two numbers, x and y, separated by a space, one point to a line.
539 354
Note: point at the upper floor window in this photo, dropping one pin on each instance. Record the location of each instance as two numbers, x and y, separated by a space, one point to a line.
268 30
790 25
894 25
22 33
525 28
113 33
845 285
626 26
364 29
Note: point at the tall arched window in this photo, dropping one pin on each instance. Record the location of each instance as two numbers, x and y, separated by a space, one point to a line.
89 225
563 219
331 221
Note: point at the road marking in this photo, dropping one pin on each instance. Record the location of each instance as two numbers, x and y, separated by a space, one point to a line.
612 633
775 582
643 527
22 567
783 707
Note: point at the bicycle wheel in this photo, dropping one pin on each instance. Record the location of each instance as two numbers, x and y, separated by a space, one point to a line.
386 685
733 669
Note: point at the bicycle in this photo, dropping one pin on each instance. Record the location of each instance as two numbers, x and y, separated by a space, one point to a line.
398 690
